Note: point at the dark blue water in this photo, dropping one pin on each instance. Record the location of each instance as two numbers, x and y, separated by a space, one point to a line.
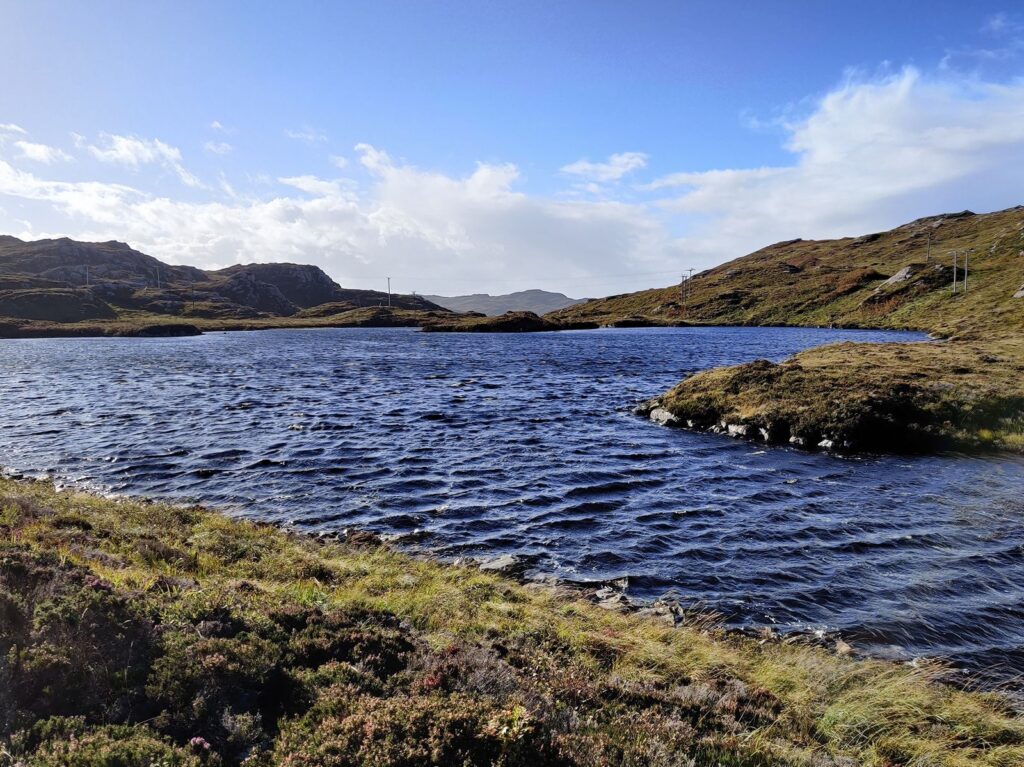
486 444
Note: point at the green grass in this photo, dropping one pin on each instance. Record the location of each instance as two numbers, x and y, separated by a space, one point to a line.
129 629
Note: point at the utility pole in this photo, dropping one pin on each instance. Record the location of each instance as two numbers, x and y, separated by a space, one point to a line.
86 275
967 255
928 258
389 292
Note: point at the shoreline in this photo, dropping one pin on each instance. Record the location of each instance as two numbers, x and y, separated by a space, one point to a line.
200 588
607 594
166 325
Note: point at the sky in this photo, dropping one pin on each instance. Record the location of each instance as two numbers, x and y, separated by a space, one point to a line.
590 147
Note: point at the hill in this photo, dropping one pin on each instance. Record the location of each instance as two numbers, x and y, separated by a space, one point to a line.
536 301
896 279
65 281
964 393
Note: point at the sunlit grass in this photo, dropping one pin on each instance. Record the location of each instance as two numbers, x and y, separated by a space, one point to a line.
183 566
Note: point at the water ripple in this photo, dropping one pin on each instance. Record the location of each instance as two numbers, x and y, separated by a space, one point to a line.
492 444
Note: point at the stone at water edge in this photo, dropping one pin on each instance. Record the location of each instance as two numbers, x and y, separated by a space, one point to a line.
505 563
662 417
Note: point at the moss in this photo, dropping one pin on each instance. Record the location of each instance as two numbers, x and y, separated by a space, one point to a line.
234 655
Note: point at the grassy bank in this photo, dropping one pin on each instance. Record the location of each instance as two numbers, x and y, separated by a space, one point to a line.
966 393
143 634
131 323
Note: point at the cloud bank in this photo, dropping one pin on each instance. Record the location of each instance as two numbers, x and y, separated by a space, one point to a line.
870 154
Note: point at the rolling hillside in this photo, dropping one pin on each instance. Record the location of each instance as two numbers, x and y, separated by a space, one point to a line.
886 279
67 282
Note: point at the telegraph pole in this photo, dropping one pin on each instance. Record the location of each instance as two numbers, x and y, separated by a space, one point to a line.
928 258
967 255
389 292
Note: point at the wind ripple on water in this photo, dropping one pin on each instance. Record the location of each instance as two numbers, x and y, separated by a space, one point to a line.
524 444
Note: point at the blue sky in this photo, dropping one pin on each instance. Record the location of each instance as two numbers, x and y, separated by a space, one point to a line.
481 146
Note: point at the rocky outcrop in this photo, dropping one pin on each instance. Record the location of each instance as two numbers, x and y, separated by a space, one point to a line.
244 288
298 286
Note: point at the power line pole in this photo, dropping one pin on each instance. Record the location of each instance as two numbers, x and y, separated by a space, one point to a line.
389 292
928 258
967 255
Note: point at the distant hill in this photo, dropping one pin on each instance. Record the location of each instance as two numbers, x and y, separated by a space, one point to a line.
536 301
900 278
65 280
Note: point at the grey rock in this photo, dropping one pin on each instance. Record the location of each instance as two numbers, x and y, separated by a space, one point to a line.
902 275
505 563
662 417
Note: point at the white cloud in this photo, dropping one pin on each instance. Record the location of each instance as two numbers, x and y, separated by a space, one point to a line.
1002 24
216 125
870 154
11 129
307 134
617 166
430 230
217 147
41 152
134 151
338 161
312 185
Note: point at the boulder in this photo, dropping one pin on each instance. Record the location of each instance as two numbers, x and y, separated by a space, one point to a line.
505 564
902 275
662 417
